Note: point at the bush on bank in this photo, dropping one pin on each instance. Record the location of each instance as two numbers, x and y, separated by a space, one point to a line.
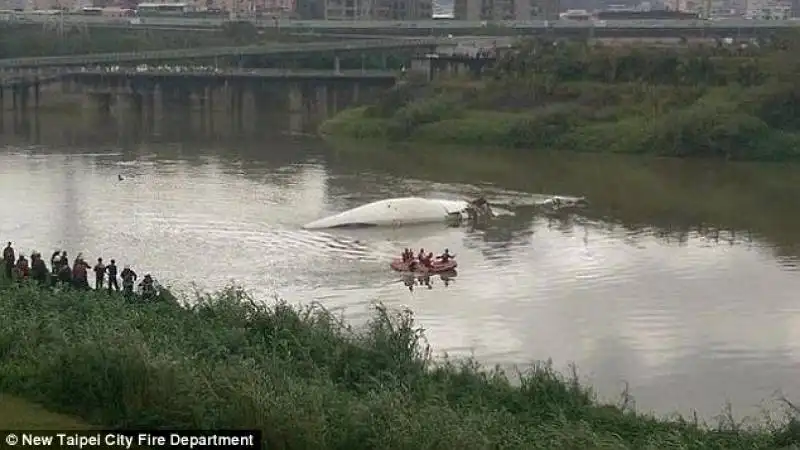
709 102
306 379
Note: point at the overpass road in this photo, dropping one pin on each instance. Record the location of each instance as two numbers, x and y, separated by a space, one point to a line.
275 50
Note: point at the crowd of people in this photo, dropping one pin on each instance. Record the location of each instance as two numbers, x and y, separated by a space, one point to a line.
61 274
423 259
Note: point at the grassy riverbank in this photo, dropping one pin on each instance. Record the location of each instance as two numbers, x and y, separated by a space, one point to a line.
19 414
720 102
305 379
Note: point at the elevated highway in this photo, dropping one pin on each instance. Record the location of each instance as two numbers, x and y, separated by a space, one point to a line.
274 50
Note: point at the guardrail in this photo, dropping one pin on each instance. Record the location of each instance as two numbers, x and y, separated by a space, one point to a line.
237 73
364 75
212 52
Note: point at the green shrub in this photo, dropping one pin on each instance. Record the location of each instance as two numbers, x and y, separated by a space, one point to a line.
396 98
408 118
708 129
775 104
624 136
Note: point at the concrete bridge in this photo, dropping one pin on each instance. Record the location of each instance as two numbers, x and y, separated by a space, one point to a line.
281 50
237 95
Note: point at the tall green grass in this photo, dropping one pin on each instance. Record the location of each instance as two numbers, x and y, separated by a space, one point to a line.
306 379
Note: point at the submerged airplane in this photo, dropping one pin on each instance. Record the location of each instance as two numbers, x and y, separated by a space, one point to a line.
406 211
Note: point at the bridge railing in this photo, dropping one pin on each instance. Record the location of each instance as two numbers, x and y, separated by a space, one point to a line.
211 52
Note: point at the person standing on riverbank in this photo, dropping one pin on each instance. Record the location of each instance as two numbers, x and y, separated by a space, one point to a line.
62 261
9 259
39 271
55 262
111 269
80 276
22 269
99 274
64 274
128 279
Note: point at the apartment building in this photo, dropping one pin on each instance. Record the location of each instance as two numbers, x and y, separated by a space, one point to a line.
310 9
411 10
12 5
46 5
474 10
378 9
349 9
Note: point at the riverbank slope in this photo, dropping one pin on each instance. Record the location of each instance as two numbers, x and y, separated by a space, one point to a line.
304 378
19 414
729 102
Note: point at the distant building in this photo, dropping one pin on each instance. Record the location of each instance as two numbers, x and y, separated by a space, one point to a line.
474 10
310 9
347 9
12 5
443 9
411 9
45 5
378 9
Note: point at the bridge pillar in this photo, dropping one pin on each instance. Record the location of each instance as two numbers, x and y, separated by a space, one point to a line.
137 104
152 106
67 85
2 110
452 67
158 108
249 114
295 104
239 94
422 66
235 100
148 109
322 100
183 100
209 101
24 93
335 100
356 92
96 104
295 98
124 110
37 93
337 64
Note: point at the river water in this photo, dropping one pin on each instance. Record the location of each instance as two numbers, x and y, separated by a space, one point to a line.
680 279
